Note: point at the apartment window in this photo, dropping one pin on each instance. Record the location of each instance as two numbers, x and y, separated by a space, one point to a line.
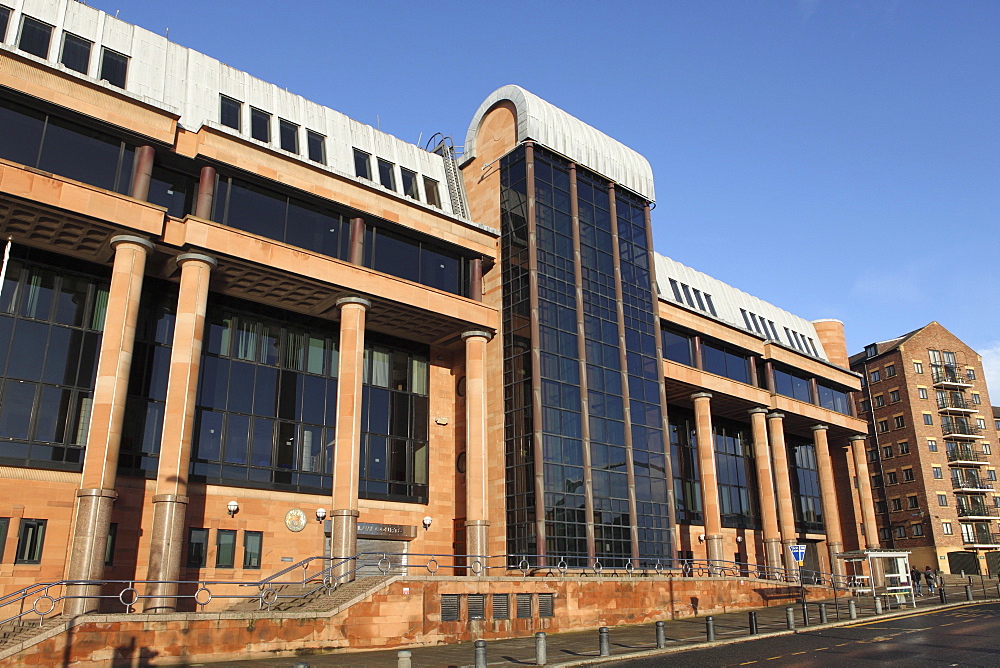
904 448
986 447
970 374
876 376
871 350
114 67
881 507
890 371
896 504
35 37
4 19
907 475
996 504
225 548
975 398
316 145
432 193
946 528
883 426
938 474
288 135
109 546
922 392
5 521
501 606
260 125
197 548
386 174
942 499
879 400
886 452
410 187
866 406
900 532
894 396
996 423
884 534
75 53
449 607
991 475
918 367
876 481
931 445
912 502
253 543
891 478
981 423
898 422
362 165
928 418
230 111
30 540
918 529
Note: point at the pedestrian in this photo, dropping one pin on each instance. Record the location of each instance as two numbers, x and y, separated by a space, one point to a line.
930 576
915 578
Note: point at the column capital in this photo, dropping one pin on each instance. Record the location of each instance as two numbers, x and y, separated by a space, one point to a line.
857 437
360 301
197 257
146 244
775 416
99 492
820 427
701 395
476 333
754 411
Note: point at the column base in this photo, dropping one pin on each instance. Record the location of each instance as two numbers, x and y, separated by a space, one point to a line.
344 544
165 546
772 556
836 565
714 549
477 545
90 539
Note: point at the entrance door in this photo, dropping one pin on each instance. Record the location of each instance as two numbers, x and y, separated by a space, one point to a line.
993 562
959 562
374 551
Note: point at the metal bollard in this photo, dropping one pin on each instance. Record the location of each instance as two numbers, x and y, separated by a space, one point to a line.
403 658
968 592
823 619
710 628
790 617
944 596
603 641
852 609
540 654
805 614
753 623
661 635
878 605
480 653
998 589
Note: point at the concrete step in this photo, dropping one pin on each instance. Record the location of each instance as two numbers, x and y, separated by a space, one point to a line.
301 598
24 629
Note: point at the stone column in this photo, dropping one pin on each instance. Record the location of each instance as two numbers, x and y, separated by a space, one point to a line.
206 193
783 488
170 501
476 279
100 465
765 484
864 491
477 465
347 453
356 243
143 172
709 483
828 498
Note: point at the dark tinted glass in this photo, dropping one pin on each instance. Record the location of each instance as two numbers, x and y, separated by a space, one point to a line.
79 153
439 271
114 67
260 125
15 409
197 548
22 133
35 37
256 210
75 53
317 147
311 228
362 165
172 190
225 548
229 112
431 190
289 136
385 174
252 543
4 20
410 188
677 348
396 256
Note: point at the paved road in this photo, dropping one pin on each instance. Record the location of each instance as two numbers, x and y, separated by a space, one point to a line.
966 636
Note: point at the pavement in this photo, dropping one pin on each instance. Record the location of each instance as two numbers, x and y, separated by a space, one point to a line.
580 648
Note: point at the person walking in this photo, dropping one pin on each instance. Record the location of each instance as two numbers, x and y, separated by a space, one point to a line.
916 580
930 576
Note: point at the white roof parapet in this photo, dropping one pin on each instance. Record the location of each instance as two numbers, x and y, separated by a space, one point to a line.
565 134
728 303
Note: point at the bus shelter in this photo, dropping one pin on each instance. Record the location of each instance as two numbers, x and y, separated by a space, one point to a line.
888 573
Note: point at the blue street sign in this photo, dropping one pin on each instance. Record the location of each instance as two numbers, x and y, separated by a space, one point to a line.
799 552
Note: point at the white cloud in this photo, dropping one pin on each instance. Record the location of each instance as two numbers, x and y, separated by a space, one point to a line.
991 367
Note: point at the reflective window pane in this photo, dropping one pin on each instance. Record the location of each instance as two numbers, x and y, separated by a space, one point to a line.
260 125
35 37
75 53
230 111
114 67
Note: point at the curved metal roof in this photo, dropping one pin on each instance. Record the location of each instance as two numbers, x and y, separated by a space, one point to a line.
552 127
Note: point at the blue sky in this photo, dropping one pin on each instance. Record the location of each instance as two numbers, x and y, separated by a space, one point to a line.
839 158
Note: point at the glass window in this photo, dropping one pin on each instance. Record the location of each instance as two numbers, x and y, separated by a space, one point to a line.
253 542
792 385
431 192
976 399
114 67
109 549
928 418
887 452
896 504
362 165
172 190
30 540
85 155
4 20
410 187
35 37
883 426
898 422
230 112
876 376
316 145
260 125
932 445
386 174
894 396
922 392
991 474
288 134
197 552
946 528
942 499
890 371
75 53
938 473
908 476
879 400
225 548
918 367
677 347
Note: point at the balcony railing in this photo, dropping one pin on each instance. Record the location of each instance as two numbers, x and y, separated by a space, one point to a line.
950 376
965 455
982 539
952 429
977 511
970 483
955 404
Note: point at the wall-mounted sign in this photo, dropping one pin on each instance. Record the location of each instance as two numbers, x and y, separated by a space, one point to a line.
387 531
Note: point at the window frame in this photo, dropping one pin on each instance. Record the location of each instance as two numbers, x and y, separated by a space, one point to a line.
223 99
81 42
30 553
365 158
107 53
219 535
40 24
388 175
288 130
258 116
188 561
314 138
248 554
432 193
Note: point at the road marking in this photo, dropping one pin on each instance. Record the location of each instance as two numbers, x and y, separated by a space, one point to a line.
913 614
747 663
797 653
821 649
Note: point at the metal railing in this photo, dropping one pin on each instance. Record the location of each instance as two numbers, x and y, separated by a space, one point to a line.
970 483
977 511
981 538
950 375
965 455
957 429
957 403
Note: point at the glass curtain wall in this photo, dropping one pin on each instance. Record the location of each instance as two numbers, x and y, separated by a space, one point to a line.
805 484
737 475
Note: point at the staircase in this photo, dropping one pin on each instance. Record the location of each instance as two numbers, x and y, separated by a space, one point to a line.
23 630
296 597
